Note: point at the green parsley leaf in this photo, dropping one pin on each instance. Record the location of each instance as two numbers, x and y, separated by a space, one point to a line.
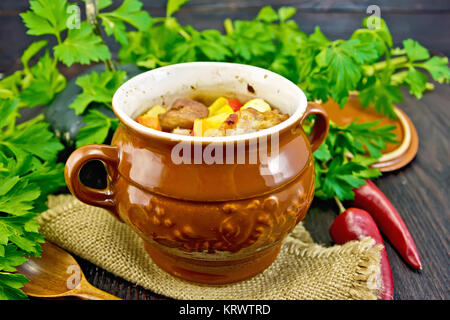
322 153
97 87
96 129
381 96
8 110
173 6
252 40
369 173
415 51
137 47
29 242
213 45
17 198
36 140
343 72
10 285
355 137
129 12
153 48
205 45
49 178
42 83
31 51
343 161
267 14
341 63
285 13
10 85
284 65
151 62
102 4
340 179
46 17
317 37
361 52
438 68
10 257
417 81
290 39
82 46
382 31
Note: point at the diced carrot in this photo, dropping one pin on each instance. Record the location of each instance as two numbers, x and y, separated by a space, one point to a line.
149 122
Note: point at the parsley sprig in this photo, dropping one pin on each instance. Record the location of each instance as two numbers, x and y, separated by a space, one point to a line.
28 173
80 44
343 160
367 62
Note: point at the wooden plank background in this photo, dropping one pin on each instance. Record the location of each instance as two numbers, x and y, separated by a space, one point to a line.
419 191
425 21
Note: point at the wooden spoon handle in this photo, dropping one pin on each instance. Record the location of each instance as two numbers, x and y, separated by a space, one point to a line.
88 292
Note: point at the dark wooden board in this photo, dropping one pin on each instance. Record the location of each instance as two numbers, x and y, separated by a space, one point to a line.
425 21
419 191
311 5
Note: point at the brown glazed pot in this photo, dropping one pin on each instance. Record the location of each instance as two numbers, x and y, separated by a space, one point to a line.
213 210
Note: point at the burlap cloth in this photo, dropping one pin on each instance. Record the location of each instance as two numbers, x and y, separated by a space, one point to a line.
303 269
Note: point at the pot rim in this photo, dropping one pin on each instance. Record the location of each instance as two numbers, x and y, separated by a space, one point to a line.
129 122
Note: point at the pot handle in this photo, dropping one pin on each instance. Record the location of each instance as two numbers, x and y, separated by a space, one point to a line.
101 198
321 125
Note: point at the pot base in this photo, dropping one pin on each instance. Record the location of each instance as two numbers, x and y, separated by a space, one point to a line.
213 272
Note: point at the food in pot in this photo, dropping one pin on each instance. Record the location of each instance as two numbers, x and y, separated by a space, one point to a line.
248 120
182 114
224 117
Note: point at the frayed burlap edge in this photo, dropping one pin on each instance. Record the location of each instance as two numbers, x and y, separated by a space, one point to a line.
303 270
366 272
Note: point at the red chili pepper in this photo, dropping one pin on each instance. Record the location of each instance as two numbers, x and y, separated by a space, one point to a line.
391 224
356 224
235 104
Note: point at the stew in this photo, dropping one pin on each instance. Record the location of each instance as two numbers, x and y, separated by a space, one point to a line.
224 117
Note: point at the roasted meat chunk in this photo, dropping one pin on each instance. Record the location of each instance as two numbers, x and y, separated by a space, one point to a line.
182 114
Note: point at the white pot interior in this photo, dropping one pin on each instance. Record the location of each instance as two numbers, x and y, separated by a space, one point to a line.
164 85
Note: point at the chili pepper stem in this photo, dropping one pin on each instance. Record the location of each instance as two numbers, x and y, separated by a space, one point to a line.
339 204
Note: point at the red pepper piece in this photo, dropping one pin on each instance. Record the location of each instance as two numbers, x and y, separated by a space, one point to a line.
391 224
235 104
356 224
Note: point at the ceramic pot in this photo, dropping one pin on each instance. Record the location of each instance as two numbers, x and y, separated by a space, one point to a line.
209 209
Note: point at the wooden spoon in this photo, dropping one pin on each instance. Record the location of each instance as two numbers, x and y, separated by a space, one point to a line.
57 274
